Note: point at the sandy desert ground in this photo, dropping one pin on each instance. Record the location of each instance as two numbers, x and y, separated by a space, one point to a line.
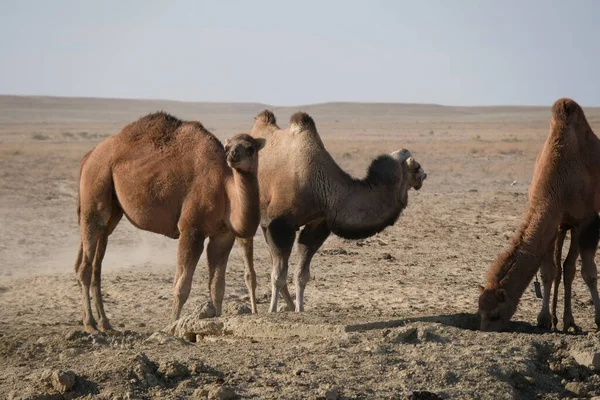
386 317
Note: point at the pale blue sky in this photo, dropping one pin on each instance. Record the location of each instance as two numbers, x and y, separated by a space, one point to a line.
299 52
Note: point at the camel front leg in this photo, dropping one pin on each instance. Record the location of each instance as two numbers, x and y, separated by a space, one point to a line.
217 254
280 237
311 239
558 244
569 269
588 244
190 247
249 274
548 272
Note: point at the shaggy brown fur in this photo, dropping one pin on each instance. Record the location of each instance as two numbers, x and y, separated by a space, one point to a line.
174 178
565 190
301 186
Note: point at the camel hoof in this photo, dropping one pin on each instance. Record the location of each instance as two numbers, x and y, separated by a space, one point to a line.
544 321
91 329
568 325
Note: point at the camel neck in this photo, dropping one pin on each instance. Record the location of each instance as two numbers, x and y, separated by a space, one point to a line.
243 195
514 269
362 208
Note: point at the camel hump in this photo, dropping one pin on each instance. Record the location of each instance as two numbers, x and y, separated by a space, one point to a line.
301 121
564 110
266 117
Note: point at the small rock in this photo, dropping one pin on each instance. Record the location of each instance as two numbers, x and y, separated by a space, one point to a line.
74 335
300 372
222 392
587 358
173 369
205 310
332 394
200 393
423 395
387 257
121 325
577 388
404 335
42 340
142 325
424 333
63 381
161 338
69 354
236 309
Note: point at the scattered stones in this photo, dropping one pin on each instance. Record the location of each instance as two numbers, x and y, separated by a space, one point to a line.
404 335
200 393
332 394
144 370
173 369
423 395
69 354
223 392
75 334
587 358
237 309
387 257
162 338
61 381
578 388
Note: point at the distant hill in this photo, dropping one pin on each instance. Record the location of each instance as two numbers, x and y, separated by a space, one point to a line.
33 109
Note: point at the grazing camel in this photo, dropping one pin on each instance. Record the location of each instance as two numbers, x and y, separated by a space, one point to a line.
302 186
584 240
174 178
565 190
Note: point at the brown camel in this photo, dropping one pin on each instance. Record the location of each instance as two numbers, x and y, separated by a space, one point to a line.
302 186
565 190
174 178
584 240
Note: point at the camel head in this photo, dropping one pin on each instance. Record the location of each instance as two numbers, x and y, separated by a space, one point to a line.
495 309
242 152
416 174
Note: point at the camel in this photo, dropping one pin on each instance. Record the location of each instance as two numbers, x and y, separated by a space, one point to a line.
301 186
584 240
565 189
174 178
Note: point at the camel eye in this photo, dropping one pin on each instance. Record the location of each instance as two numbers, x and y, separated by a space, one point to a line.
250 150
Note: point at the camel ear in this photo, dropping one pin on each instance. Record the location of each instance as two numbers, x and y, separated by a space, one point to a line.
501 295
410 162
227 141
481 288
260 143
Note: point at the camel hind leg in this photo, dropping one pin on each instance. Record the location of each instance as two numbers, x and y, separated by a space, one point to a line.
280 236
588 243
558 245
311 238
569 269
117 214
189 250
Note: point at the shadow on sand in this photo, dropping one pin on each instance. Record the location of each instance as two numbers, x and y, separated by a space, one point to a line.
465 321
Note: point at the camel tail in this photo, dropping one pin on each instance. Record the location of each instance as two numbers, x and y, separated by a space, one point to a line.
266 117
301 121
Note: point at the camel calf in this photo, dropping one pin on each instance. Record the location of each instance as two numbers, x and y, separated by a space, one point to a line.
174 178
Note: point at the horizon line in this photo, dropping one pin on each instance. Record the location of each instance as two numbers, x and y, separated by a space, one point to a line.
281 106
